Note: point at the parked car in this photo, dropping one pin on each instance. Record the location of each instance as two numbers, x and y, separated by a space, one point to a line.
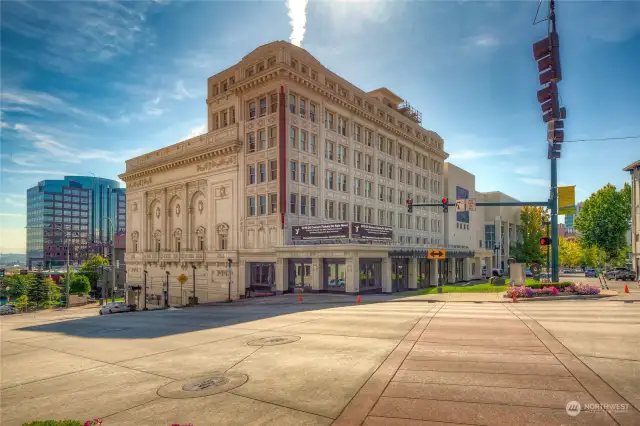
114 307
590 273
496 272
623 274
8 309
528 273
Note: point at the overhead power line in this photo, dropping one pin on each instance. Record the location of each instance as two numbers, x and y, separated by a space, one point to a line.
604 139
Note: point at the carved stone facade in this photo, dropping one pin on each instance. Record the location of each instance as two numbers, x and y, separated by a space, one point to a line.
264 166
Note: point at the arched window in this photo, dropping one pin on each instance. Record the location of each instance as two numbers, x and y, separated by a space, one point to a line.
223 233
200 234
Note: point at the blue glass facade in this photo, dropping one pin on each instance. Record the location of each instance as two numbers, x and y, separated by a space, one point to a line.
82 206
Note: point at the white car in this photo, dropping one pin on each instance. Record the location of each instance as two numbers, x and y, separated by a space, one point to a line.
114 307
7 309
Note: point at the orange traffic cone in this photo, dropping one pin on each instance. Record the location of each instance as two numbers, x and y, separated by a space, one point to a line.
358 299
515 298
300 298
626 289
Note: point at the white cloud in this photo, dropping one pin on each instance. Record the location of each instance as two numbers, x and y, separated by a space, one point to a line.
297 11
526 170
38 172
484 40
196 131
180 92
17 100
12 214
15 200
470 154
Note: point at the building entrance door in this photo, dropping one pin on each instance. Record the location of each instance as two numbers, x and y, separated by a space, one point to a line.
299 274
424 273
399 274
262 276
334 275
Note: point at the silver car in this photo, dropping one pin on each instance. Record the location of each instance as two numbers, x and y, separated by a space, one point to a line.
114 307
7 310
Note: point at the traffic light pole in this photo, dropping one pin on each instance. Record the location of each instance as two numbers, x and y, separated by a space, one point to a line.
490 204
555 273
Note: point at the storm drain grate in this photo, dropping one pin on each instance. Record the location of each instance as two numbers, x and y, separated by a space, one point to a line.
272 341
211 384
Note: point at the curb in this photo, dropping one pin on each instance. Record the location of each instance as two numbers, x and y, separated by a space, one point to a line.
572 297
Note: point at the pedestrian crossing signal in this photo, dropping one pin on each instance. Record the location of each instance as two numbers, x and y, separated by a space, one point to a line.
545 241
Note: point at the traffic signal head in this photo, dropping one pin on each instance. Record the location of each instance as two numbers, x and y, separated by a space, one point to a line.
410 205
547 53
554 131
545 241
445 208
553 150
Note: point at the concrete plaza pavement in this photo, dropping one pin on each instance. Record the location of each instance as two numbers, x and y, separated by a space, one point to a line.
386 361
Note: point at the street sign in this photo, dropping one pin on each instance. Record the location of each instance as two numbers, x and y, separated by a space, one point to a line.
436 254
471 204
461 205
183 279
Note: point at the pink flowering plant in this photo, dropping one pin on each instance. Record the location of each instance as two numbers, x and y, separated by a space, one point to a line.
579 288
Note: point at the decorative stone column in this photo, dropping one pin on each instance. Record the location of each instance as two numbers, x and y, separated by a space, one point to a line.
387 283
352 275
316 274
433 272
282 275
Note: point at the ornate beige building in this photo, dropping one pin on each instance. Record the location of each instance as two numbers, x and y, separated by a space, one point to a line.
289 143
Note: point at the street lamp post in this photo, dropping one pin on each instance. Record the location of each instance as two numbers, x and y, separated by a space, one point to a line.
193 301
145 291
166 293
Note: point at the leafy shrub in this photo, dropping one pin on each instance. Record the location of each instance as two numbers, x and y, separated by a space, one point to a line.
54 423
582 289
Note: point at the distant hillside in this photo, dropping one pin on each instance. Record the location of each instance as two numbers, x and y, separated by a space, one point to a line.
13 258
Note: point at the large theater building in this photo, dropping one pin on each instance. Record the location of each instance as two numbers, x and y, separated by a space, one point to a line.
289 145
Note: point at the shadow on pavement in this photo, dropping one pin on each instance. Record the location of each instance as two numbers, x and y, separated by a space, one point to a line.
159 323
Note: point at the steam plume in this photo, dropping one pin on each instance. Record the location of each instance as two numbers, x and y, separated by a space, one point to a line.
298 20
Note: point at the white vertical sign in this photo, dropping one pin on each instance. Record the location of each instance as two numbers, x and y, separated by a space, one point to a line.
461 206
471 204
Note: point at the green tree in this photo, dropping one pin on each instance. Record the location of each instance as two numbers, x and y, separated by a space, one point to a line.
569 253
15 285
39 291
593 256
529 250
604 219
80 285
22 302
91 269
54 292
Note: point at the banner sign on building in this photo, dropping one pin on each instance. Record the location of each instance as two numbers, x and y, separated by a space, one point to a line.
368 231
462 194
324 231
566 200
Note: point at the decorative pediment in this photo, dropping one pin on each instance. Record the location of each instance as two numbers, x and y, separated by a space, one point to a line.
201 231
177 233
222 229
157 234
135 235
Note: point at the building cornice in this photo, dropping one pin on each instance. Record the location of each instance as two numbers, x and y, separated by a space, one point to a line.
219 150
285 71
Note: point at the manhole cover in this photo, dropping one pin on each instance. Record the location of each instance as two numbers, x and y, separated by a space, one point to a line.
272 341
210 384
199 385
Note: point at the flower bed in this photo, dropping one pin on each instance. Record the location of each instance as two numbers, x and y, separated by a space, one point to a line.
569 289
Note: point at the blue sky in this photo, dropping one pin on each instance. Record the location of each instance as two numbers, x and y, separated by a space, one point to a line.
86 85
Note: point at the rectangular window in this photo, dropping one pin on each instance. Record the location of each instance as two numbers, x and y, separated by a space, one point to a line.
273 202
273 170
252 175
312 175
390 147
328 152
262 140
357 159
312 207
381 143
390 195
342 211
225 118
401 174
232 115
401 152
409 225
368 189
251 206
252 111
342 154
400 197
390 219
329 209
293 169
251 141
368 137
262 169
292 104
293 203
381 167
303 140
357 186
262 205
272 136
274 102
303 173
381 195
381 217
357 132
303 205
312 144
342 126
401 220
390 171
303 109
330 183
368 164
409 178
263 106
293 137
357 213
368 215
312 112
330 123
342 183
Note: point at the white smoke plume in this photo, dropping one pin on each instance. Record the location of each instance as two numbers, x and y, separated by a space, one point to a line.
297 19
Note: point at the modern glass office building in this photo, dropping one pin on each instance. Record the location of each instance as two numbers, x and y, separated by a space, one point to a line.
75 212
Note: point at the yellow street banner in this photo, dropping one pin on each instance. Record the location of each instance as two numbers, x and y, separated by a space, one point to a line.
566 199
